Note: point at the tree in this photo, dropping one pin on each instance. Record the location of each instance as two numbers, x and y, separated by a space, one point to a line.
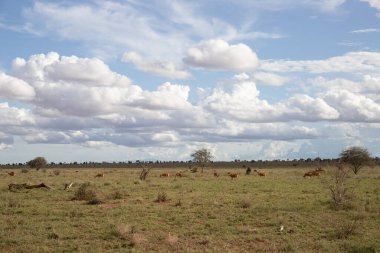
356 157
202 156
37 163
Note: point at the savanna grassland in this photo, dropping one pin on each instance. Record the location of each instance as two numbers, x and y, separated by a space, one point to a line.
281 212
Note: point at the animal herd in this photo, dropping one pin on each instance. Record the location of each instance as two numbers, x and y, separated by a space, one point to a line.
232 175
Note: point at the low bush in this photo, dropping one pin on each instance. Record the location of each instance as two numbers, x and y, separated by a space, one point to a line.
85 192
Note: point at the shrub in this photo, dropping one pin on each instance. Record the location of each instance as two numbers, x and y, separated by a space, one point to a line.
338 188
85 192
116 195
24 171
161 197
344 227
144 173
248 171
56 172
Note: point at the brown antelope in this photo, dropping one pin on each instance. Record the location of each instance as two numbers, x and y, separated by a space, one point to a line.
100 175
216 174
164 175
11 173
178 174
311 174
233 175
261 174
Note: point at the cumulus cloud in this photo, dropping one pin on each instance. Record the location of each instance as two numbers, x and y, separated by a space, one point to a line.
219 55
353 107
352 62
166 69
14 88
87 87
241 101
12 116
81 101
306 108
371 84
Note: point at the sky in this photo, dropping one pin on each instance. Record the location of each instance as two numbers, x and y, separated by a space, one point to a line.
133 80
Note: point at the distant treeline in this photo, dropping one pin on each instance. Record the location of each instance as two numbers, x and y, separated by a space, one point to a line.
186 164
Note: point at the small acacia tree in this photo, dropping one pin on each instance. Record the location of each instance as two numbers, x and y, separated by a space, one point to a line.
356 157
37 163
202 156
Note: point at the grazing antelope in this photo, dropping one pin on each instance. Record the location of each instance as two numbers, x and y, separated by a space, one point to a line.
216 174
11 173
100 175
233 175
261 174
164 175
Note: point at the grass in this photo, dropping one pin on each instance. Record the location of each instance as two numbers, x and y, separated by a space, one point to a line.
204 214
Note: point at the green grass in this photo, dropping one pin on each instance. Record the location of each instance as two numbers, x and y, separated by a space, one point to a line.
201 213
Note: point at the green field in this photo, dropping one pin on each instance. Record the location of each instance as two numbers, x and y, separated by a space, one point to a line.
202 213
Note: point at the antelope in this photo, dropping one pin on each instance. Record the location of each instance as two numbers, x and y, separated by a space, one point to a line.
11 173
216 174
261 174
233 175
164 175
311 174
100 175
178 174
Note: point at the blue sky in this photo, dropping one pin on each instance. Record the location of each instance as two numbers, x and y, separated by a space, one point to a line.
156 80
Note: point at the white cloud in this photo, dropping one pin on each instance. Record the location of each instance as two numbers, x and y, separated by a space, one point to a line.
373 3
270 79
219 55
353 107
352 62
166 69
305 108
371 84
4 146
240 101
109 28
275 5
12 116
87 87
367 30
14 88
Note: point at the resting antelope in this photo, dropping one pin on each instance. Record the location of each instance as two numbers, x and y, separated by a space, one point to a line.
178 174
11 173
164 175
233 175
100 175
261 174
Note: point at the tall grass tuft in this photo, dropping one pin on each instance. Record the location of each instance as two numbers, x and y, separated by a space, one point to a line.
85 192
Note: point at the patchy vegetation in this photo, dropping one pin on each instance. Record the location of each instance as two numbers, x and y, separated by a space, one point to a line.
281 212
